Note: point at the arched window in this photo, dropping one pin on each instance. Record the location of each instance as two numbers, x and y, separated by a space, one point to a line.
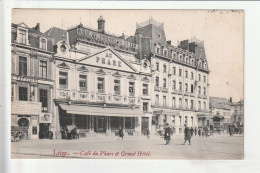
180 57
174 55
187 59
165 52
205 65
192 62
157 49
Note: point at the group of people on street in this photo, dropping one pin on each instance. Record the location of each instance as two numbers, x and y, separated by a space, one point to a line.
188 133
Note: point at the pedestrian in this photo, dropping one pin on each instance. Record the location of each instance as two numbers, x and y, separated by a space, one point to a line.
120 133
147 132
191 131
195 131
230 130
186 134
167 134
199 132
206 131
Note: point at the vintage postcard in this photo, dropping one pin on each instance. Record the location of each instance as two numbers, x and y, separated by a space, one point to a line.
127 84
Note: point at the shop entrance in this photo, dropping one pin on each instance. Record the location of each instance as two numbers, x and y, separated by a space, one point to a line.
145 121
44 130
23 124
100 124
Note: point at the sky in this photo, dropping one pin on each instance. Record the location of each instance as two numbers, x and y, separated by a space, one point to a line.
222 32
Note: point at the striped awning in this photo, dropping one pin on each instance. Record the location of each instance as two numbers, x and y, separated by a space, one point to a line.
102 111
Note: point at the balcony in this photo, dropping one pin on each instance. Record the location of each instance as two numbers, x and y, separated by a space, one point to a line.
101 97
174 92
117 99
164 90
179 92
156 88
192 95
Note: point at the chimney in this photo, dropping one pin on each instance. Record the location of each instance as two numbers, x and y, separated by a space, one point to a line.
169 42
37 27
101 24
123 36
230 99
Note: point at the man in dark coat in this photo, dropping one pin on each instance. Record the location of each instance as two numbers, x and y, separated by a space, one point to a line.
199 132
186 134
121 133
167 134
195 131
191 131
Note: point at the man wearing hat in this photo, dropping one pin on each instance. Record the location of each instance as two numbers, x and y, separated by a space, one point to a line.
167 134
186 134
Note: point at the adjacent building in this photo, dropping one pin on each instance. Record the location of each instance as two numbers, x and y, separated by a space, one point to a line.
32 80
179 77
237 112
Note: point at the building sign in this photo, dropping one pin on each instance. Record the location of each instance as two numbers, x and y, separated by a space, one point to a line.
26 108
25 79
45 118
108 60
106 39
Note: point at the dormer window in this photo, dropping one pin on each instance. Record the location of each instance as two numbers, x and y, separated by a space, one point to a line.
205 65
157 50
165 52
187 60
180 57
43 43
174 55
192 62
22 36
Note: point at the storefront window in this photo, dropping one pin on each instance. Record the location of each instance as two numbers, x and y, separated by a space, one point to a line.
129 123
116 122
81 121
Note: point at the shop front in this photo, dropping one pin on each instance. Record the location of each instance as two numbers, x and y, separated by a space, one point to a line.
25 118
103 120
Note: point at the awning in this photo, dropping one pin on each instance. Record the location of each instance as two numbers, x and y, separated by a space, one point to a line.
100 111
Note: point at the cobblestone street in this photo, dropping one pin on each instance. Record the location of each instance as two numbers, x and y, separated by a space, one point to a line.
216 147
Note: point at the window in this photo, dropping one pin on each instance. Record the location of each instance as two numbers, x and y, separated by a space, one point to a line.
191 88
204 91
173 119
117 86
43 69
44 100
199 64
129 122
157 81
63 80
22 66
192 62
81 121
180 103
22 36
199 89
179 120
145 89
204 106
101 85
157 66
131 88
43 43
23 93
157 50
186 87
164 83
165 52
173 102
199 77
191 104
83 82
174 55
157 100
174 71
173 84
180 56
164 101
199 105
164 68
180 72
180 86
186 74
192 121
145 106
192 75
186 103
186 120
204 79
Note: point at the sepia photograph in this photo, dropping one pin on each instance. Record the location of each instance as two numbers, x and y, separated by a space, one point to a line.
127 84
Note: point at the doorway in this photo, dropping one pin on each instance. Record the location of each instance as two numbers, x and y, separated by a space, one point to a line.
100 124
145 123
44 130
